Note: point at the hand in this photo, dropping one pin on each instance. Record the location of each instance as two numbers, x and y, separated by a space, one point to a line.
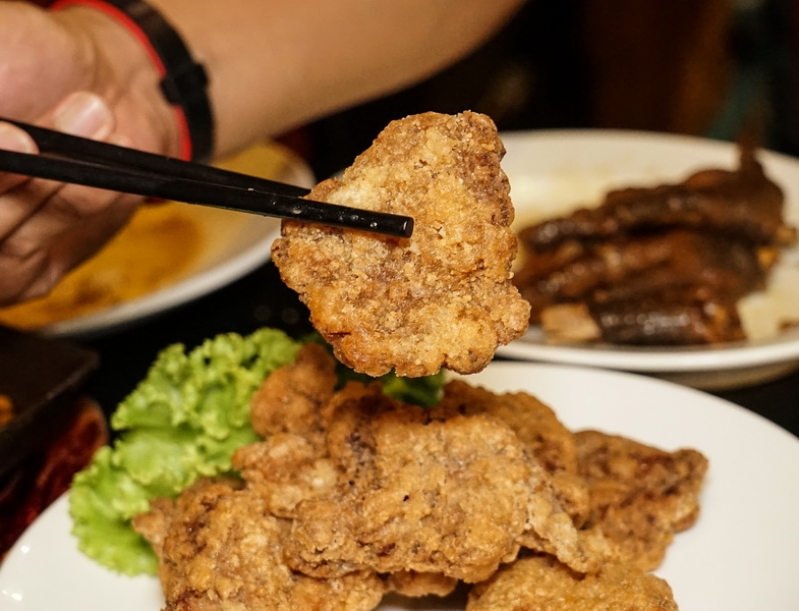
52 73
272 66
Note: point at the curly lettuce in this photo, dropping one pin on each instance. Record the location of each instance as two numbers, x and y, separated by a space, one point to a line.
424 392
183 422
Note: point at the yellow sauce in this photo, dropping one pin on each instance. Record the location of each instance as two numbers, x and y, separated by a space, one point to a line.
162 244
156 247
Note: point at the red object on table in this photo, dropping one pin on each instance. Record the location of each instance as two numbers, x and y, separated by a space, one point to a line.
43 476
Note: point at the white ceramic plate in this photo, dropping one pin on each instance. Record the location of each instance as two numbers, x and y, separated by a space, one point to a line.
742 554
552 172
233 245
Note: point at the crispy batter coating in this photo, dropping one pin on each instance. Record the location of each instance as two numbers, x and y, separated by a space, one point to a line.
285 470
442 298
223 552
540 583
537 426
355 495
153 526
640 495
415 585
289 465
455 495
290 399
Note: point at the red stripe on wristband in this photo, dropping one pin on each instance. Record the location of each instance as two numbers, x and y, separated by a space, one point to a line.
118 15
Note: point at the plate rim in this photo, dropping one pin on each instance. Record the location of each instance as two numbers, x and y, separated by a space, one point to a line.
521 372
196 284
782 349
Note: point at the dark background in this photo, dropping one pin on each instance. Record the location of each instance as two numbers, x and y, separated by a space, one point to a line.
700 67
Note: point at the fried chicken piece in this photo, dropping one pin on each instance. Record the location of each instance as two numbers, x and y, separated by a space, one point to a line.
222 551
285 470
640 496
289 472
415 495
541 583
537 426
455 496
290 399
153 526
534 422
415 585
289 465
442 298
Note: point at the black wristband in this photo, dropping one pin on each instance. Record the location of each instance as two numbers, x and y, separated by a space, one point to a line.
184 81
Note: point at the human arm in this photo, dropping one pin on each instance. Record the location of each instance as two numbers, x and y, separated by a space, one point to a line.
272 66
291 62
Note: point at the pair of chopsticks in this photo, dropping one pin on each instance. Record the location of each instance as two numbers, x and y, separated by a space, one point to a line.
76 160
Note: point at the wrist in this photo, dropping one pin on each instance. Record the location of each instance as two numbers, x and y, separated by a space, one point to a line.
140 66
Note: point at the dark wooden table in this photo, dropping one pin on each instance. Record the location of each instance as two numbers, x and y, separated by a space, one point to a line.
261 299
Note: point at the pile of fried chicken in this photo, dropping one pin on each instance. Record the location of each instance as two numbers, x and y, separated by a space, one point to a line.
663 265
352 495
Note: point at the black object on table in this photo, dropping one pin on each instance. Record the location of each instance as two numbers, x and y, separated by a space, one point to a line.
40 378
260 299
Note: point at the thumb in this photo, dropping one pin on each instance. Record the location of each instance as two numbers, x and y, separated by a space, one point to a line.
14 139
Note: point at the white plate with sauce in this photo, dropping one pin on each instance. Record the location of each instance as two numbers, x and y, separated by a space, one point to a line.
167 255
741 554
553 172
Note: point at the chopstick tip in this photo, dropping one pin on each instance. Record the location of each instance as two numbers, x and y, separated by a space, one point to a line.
407 228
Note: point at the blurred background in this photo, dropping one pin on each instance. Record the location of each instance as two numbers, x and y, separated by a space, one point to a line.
708 68
701 67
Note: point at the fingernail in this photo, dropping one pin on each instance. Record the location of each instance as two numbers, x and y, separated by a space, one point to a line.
14 139
84 114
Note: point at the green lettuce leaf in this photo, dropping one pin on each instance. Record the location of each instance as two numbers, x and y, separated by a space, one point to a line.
424 392
182 422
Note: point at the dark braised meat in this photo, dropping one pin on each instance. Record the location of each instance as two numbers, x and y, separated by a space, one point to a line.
743 204
677 319
660 266
624 270
680 319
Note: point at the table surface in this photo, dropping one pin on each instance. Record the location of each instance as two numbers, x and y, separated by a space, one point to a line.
261 299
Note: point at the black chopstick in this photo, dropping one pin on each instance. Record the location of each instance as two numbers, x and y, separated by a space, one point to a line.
76 160
51 141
